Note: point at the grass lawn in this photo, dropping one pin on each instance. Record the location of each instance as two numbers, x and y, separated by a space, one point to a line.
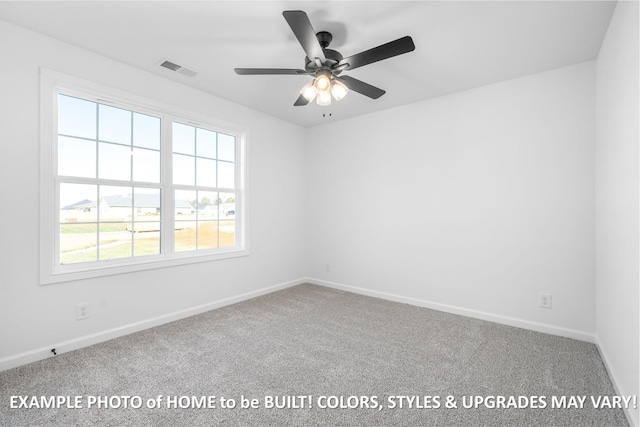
207 236
91 228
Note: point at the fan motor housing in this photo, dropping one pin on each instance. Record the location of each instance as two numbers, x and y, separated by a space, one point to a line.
332 56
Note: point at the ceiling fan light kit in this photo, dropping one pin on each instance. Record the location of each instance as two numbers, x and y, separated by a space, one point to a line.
327 64
323 88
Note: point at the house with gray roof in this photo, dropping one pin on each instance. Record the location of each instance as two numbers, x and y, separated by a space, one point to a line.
142 204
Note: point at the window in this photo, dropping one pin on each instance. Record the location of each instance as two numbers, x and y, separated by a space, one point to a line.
108 182
129 184
204 178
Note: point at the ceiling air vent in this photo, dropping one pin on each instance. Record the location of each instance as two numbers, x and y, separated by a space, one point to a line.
177 68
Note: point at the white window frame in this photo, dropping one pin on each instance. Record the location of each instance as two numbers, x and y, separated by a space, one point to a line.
51 84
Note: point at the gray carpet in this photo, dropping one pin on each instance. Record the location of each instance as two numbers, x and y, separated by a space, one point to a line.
311 340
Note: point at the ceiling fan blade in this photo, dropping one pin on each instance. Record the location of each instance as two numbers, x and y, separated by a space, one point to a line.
384 51
301 101
304 32
361 87
275 71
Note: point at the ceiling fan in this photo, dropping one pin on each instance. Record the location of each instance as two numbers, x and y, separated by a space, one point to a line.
327 64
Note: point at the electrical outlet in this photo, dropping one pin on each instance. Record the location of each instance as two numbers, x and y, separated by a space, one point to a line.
545 300
327 267
83 310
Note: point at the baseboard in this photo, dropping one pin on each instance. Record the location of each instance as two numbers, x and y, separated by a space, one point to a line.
505 320
87 340
632 415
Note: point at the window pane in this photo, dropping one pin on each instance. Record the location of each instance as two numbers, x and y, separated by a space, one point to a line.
226 175
114 241
227 233
78 243
146 131
146 204
206 143
185 201
185 236
185 225
227 206
146 221
184 169
114 161
207 205
184 140
78 203
146 165
76 157
76 117
72 229
115 203
206 176
78 229
226 147
227 227
207 234
114 124
146 241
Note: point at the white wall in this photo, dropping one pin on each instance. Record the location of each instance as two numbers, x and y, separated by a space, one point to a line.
34 318
617 199
473 203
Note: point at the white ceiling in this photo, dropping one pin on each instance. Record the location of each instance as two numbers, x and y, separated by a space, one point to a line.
459 45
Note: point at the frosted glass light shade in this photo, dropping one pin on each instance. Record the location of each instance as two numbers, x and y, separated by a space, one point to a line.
322 82
339 90
309 91
324 98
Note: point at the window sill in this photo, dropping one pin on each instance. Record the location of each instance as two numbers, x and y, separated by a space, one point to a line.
71 272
